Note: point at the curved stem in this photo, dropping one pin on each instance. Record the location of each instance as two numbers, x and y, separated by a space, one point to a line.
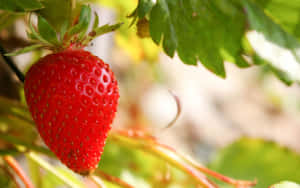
151 146
18 170
195 170
11 64
112 179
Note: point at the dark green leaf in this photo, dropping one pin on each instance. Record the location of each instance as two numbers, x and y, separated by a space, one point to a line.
47 31
20 5
272 43
258 159
144 7
56 12
209 31
83 22
285 184
24 50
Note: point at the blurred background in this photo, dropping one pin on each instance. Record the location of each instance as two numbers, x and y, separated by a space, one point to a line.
245 126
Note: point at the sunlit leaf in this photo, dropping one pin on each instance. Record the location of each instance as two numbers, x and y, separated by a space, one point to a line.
286 13
285 184
272 43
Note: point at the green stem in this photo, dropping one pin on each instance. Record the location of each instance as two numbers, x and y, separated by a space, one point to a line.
194 169
34 157
150 146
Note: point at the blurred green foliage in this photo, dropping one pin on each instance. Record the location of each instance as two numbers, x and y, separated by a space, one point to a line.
124 162
285 184
264 161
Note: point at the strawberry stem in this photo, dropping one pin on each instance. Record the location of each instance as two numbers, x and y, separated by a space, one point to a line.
196 171
111 179
11 64
18 170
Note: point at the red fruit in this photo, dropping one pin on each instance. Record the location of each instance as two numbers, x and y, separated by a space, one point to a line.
73 96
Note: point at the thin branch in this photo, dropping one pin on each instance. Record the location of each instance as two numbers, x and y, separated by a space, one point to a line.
195 170
151 146
11 64
112 179
18 170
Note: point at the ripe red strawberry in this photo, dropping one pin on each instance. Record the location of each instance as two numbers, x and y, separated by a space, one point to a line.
73 96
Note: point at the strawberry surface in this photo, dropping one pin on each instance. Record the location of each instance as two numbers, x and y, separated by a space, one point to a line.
73 96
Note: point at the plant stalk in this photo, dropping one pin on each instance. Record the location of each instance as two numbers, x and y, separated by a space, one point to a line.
112 179
18 170
195 170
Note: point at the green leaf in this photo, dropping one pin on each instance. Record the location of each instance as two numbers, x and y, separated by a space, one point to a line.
20 5
24 50
83 22
144 7
205 31
96 21
285 184
33 34
6 19
64 29
56 12
47 31
258 159
282 76
272 43
285 13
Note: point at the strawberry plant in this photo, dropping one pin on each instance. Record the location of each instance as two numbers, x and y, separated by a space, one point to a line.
67 96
